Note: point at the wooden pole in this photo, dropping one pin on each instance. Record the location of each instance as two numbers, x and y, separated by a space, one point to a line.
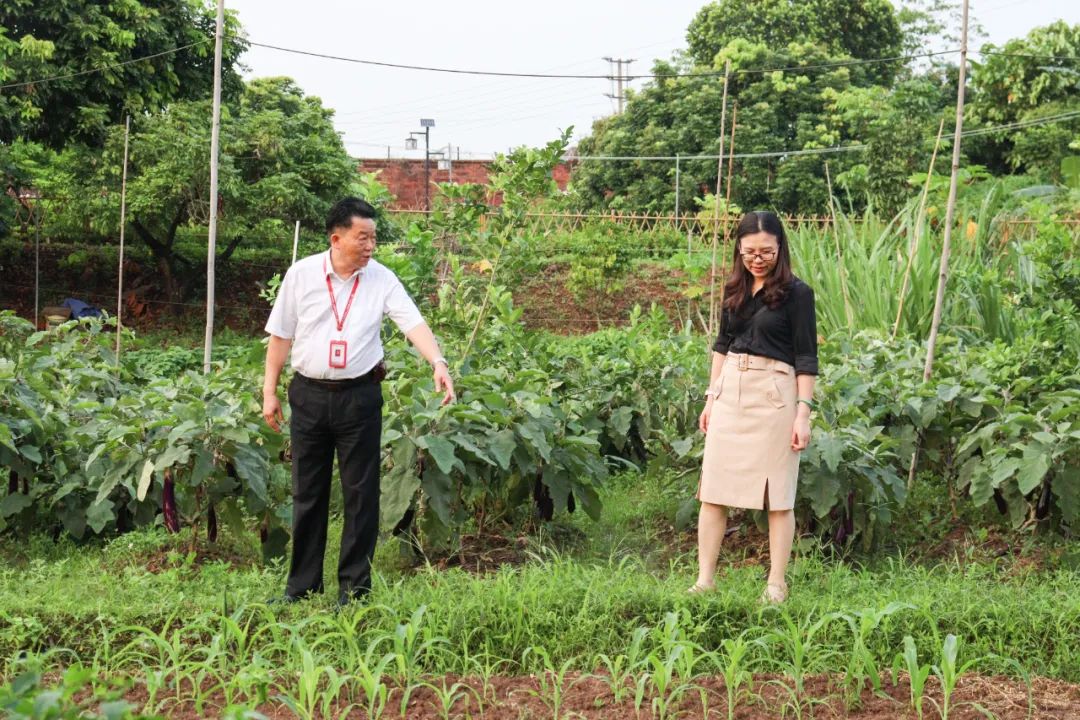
716 204
295 242
916 232
215 137
950 208
727 197
849 314
123 222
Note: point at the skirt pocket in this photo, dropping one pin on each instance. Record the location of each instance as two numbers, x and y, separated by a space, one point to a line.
774 394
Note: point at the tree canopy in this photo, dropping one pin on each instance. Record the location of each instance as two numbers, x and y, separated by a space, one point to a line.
71 67
281 161
809 91
1037 78
859 29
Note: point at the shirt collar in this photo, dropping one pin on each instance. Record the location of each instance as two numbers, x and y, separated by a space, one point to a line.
329 266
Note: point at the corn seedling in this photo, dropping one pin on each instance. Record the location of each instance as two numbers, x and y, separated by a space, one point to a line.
621 668
448 697
552 682
948 673
917 674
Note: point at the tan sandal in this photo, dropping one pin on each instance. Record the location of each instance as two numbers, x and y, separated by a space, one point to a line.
774 593
697 589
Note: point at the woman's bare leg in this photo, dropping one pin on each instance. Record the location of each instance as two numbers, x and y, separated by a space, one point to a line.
781 536
712 523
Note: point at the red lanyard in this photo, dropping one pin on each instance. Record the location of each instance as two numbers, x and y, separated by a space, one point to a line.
333 300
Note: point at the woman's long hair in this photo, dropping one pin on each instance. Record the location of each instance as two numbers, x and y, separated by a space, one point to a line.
739 286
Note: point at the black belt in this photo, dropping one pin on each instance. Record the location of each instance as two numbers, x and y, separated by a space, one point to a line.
371 377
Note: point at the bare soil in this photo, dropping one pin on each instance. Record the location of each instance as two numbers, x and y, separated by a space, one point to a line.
547 304
592 697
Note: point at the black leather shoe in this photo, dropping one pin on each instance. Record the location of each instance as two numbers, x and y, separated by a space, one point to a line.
354 596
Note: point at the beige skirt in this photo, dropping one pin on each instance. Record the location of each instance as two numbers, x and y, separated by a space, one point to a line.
748 445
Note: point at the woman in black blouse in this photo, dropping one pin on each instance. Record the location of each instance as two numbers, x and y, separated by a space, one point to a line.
757 409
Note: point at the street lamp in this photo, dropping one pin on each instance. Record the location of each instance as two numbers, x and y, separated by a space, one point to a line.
410 144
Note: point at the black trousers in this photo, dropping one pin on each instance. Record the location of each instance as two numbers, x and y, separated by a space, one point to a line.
324 420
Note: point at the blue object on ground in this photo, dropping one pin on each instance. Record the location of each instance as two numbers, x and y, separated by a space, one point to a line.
79 309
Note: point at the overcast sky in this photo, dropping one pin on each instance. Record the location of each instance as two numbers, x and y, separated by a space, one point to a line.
378 107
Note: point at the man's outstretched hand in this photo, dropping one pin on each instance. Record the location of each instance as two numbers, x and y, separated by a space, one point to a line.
443 383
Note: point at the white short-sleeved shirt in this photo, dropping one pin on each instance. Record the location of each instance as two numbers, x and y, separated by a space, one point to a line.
303 313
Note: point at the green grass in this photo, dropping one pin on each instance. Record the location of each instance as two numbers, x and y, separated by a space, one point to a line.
599 600
581 594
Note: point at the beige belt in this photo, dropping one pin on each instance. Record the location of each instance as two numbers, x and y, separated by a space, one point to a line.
745 361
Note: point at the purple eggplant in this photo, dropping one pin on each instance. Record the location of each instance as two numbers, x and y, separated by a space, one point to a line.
999 500
1042 508
168 504
12 483
211 524
849 516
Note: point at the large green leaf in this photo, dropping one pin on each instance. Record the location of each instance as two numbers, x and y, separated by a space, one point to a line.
173 455
400 485
252 467
441 450
534 433
823 490
438 491
831 449
501 445
145 479
14 503
1035 465
99 515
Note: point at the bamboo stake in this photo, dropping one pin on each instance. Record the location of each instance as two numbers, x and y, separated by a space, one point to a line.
916 234
950 209
123 222
295 242
727 196
839 253
215 137
716 203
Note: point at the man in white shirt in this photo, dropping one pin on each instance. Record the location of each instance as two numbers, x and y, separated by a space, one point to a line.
329 311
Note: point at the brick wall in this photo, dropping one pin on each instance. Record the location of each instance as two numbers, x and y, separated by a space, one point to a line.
405 178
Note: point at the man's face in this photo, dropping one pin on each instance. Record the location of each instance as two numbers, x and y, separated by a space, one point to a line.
355 244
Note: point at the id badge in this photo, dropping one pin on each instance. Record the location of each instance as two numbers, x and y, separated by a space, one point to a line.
338 353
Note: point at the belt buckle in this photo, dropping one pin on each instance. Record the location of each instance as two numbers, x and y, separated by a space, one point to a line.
744 362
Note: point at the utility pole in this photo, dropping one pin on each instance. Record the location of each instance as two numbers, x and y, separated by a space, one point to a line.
618 78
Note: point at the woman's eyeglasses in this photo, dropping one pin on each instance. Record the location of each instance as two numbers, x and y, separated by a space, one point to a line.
765 255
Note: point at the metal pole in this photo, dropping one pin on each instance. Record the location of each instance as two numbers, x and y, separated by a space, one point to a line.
295 242
943 275
123 222
215 136
427 159
677 158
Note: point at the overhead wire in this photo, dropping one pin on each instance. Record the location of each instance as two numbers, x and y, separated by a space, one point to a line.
112 66
572 76
496 85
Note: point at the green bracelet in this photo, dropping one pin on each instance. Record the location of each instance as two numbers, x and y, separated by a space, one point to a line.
809 403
